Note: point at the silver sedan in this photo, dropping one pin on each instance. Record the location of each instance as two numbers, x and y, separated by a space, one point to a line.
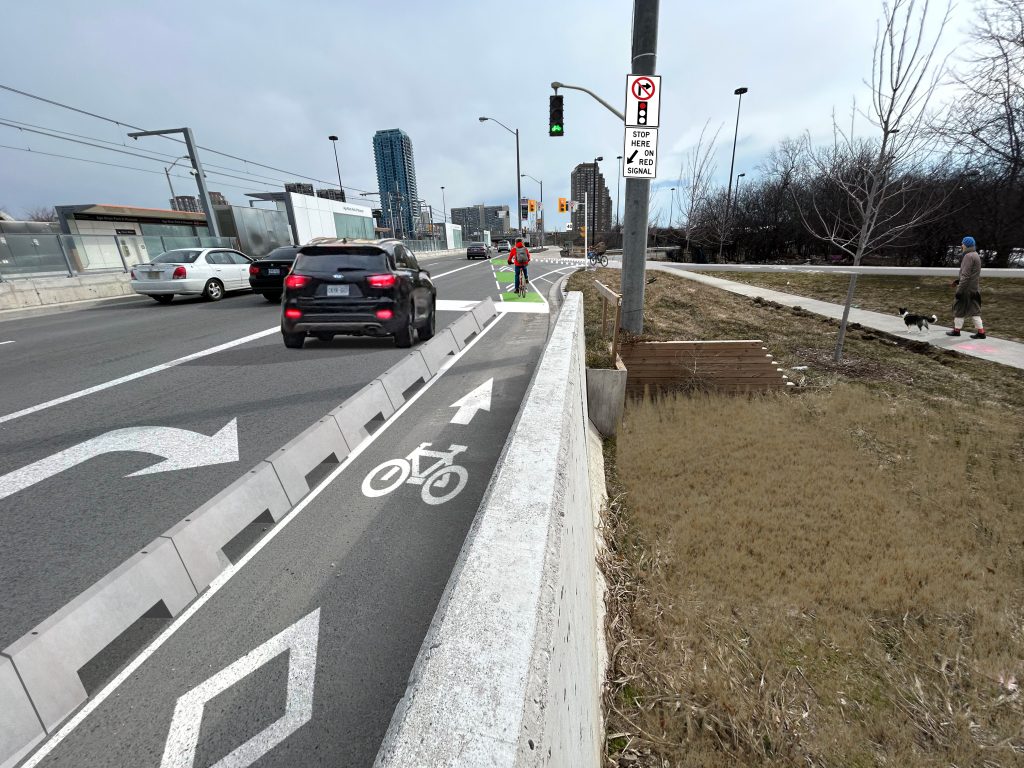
207 272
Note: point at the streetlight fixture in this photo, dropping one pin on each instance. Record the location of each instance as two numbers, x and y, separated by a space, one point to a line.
541 182
519 188
334 143
728 199
167 173
618 189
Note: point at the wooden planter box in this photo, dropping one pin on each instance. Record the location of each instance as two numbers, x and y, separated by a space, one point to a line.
725 366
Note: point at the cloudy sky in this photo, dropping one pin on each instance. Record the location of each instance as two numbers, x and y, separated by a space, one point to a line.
268 81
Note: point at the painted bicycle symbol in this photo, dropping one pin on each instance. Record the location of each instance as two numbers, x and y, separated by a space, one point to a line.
442 480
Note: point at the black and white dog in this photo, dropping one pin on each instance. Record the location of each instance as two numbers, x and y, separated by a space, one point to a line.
921 321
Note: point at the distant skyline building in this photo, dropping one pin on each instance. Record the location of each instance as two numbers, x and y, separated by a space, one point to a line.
188 203
474 219
581 184
299 188
217 198
396 180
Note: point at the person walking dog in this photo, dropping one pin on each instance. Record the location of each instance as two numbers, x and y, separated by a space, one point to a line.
967 302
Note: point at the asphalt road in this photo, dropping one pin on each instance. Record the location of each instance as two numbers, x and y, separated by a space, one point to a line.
351 580
65 532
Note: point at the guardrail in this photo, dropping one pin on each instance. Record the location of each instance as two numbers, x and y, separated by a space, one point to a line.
508 674
39 682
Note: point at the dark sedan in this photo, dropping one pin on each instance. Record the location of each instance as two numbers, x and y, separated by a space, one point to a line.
267 275
478 250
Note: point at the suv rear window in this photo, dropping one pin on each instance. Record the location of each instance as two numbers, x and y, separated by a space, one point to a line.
177 257
369 258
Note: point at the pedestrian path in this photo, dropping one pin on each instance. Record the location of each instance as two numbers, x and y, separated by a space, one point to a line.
996 350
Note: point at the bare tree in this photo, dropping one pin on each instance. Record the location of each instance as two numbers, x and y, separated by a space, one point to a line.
985 122
865 192
40 213
694 183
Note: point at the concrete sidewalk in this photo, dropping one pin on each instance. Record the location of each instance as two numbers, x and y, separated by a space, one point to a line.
996 350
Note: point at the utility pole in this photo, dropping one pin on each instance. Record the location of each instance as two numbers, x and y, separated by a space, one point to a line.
193 156
634 234
618 191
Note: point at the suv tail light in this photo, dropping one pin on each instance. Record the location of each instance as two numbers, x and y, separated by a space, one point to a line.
293 314
382 281
385 314
179 273
296 281
254 270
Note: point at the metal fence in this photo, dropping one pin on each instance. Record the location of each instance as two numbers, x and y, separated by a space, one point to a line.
41 255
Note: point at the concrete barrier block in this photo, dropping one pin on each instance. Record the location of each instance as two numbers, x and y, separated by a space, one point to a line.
606 397
484 312
302 454
20 729
201 536
364 406
437 351
48 658
464 329
402 375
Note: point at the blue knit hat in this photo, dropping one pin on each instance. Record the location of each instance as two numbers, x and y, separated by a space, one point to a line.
968 241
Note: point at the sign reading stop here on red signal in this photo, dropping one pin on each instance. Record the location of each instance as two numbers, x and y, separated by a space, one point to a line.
640 153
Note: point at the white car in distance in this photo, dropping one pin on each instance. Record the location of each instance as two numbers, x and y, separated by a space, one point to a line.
207 272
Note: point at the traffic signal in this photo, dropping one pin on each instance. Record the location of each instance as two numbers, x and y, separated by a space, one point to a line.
532 205
563 205
555 126
524 211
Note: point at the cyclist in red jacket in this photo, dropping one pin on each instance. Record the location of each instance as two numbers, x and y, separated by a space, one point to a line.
520 256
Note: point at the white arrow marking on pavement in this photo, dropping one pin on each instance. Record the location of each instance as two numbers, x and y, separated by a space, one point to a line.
300 641
5 342
181 449
477 400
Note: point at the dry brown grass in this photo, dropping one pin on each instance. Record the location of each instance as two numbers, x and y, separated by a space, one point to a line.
829 578
1002 298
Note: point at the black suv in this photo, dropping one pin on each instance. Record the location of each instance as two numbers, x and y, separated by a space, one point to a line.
266 274
361 289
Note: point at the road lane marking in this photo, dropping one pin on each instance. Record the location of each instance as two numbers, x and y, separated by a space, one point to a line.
158 368
226 575
5 342
477 400
387 476
300 640
138 375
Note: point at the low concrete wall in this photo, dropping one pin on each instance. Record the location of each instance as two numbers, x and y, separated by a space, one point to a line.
41 291
606 397
508 674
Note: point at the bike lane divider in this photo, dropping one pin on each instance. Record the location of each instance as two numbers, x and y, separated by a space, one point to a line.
299 653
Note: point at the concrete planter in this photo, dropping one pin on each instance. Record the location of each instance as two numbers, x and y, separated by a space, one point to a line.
606 396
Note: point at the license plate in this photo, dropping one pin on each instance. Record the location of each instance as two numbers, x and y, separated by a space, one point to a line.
337 290
154 275
273 271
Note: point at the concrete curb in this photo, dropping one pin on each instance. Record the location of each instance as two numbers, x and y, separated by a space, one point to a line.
39 680
48 658
508 673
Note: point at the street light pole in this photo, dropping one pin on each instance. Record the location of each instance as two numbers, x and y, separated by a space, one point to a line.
334 143
541 182
204 195
728 198
519 181
643 61
618 191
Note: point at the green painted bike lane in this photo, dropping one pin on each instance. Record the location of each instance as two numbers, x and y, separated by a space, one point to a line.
505 276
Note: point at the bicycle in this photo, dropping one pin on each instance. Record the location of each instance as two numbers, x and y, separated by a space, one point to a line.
521 284
386 477
593 259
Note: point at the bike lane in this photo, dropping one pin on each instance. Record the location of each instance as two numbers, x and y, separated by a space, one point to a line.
301 654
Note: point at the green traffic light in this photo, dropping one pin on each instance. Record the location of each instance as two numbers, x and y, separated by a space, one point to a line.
556 128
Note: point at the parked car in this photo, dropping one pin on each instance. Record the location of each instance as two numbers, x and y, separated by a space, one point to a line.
478 250
207 272
371 288
266 275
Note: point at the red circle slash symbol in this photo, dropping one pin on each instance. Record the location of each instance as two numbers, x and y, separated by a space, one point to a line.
643 88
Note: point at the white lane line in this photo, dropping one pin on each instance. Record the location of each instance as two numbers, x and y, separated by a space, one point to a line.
138 374
453 271
155 369
217 584
5 342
